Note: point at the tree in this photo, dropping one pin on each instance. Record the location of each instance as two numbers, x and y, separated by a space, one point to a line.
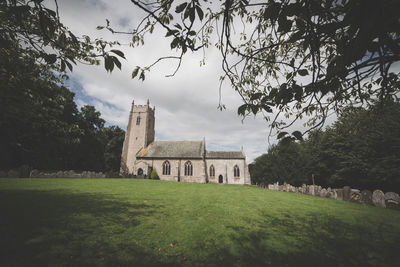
291 58
37 114
361 149
114 139
37 31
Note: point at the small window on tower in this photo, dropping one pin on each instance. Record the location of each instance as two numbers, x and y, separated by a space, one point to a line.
137 120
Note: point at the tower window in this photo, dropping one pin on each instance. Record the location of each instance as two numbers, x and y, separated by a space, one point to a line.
137 120
188 168
212 171
236 172
166 168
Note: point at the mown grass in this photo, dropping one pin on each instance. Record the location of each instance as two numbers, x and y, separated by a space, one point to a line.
127 222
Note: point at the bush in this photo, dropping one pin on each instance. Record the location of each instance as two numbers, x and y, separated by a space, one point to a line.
154 175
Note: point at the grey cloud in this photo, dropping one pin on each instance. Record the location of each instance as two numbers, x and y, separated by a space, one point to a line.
186 104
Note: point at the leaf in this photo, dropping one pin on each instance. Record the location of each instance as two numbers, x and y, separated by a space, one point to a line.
180 8
62 65
51 12
298 135
272 11
284 24
242 109
118 52
174 43
192 15
142 76
135 72
99 27
254 109
282 134
116 62
108 63
50 59
256 96
303 72
200 12
192 33
298 92
68 65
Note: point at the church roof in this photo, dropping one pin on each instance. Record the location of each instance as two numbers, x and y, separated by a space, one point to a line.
225 155
172 149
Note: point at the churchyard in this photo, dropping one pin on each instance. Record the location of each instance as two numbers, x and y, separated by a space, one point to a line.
133 222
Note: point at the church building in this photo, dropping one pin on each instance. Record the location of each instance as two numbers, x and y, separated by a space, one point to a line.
181 161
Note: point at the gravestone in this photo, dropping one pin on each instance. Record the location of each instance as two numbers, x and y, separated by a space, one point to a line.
333 194
303 188
355 196
317 190
323 192
339 194
392 200
271 187
378 198
34 173
366 197
346 193
280 187
328 192
312 190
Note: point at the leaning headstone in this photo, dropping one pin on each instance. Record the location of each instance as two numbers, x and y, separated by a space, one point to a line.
346 193
366 197
378 198
392 200
355 196
339 194
34 173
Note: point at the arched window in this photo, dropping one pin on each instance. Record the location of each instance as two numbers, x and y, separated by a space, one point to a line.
236 172
138 120
212 171
166 168
188 168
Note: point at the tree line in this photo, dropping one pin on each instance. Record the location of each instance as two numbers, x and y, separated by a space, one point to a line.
41 126
361 149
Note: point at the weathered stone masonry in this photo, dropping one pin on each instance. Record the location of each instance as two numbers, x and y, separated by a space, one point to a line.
181 161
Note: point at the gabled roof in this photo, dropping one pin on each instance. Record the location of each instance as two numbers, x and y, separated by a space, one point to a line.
225 155
172 149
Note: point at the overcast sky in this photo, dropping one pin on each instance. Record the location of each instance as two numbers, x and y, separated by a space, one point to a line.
186 104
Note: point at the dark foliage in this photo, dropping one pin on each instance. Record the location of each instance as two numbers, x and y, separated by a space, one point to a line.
361 149
40 125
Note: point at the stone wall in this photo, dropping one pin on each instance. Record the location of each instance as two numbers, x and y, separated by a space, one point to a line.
376 198
67 174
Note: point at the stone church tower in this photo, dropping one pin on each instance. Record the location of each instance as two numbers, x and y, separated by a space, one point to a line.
139 134
180 161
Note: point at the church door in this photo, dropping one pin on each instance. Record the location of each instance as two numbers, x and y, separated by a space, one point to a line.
140 172
220 179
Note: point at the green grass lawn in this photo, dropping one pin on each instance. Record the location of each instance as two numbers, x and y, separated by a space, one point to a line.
127 222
